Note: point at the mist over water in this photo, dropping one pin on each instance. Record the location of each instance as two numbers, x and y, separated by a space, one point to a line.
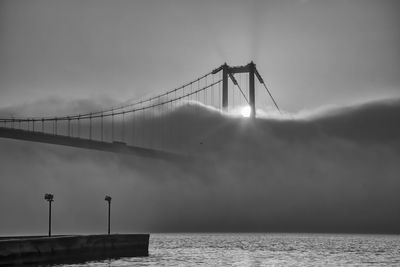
331 171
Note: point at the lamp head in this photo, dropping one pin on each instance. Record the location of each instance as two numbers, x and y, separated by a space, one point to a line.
49 197
108 199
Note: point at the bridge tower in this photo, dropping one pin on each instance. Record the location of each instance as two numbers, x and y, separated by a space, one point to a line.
229 71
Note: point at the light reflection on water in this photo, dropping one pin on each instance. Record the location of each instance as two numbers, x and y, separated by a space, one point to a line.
265 250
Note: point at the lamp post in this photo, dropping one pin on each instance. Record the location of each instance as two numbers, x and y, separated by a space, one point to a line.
108 199
49 198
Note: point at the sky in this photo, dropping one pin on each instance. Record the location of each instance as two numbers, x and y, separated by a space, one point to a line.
328 164
311 53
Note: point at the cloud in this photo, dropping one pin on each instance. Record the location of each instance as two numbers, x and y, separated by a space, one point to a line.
334 171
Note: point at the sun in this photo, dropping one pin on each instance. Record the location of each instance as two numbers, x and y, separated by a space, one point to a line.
245 111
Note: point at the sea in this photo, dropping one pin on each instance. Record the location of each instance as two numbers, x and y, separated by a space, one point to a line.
255 249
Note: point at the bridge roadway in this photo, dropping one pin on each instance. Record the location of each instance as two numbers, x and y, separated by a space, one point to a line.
116 147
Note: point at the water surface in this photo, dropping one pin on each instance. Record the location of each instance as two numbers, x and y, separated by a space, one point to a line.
265 250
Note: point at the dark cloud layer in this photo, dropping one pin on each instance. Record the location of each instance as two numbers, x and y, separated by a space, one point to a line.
336 171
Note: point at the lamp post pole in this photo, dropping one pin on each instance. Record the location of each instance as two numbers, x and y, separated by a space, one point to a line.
108 199
49 198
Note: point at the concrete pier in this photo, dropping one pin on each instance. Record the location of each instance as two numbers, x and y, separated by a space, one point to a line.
71 248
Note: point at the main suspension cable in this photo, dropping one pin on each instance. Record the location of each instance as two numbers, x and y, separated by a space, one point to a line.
261 80
273 100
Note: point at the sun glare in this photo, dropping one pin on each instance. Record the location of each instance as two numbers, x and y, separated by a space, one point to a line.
246 111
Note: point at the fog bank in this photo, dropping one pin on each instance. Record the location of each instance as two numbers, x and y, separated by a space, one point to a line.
330 171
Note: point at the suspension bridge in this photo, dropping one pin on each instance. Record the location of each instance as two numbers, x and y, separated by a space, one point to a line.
144 127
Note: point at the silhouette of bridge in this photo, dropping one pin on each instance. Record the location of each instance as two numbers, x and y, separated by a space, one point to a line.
142 127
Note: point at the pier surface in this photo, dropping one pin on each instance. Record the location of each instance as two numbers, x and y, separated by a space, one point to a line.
71 248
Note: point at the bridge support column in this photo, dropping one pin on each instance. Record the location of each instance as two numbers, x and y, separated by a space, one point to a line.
252 92
225 87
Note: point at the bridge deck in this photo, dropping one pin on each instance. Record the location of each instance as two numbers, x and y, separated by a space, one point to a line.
116 147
